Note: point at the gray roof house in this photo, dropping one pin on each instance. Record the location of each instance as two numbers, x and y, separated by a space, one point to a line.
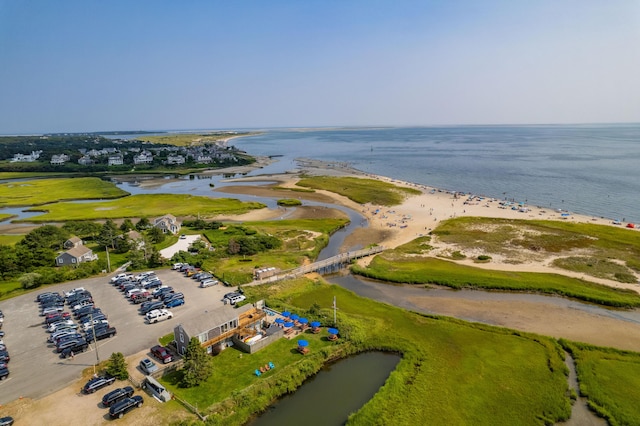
72 242
216 328
75 255
168 223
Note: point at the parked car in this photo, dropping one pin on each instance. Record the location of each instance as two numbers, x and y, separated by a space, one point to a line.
147 366
68 337
150 306
121 275
144 275
79 347
4 372
100 333
95 316
116 396
97 383
6 421
208 283
172 303
55 317
56 336
121 408
87 310
158 315
45 295
81 305
166 296
143 296
69 344
51 310
73 291
177 266
236 298
4 357
88 325
157 293
152 284
61 323
162 354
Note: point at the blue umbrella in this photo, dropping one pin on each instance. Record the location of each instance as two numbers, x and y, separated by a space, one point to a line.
333 331
279 320
288 324
303 343
286 314
303 320
315 324
294 317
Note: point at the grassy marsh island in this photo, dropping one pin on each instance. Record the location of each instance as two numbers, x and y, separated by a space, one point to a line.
360 190
43 191
144 205
190 139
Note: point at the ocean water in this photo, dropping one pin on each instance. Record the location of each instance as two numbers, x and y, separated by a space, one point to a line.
587 169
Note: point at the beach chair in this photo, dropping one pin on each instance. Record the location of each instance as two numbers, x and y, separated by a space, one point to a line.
271 365
258 373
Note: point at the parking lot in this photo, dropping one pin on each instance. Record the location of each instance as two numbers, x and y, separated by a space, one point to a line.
37 370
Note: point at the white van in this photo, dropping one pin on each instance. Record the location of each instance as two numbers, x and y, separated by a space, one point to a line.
158 315
208 282
235 298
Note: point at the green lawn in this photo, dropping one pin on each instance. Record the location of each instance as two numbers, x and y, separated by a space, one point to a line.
145 205
42 191
451 372
10 239
360 190
5 216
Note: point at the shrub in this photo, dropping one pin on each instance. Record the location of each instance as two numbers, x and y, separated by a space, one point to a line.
117 366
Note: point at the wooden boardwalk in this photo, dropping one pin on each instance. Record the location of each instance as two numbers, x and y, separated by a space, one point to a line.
326 266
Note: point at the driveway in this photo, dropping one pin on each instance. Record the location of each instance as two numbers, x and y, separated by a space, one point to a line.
182 244
36 370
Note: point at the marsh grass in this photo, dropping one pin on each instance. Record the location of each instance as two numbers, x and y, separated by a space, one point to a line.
596 267
610 380
144 205
360 190
427 270
42 191
451 371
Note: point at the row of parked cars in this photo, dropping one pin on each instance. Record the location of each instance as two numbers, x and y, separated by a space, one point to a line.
4 353
205 279
148 290
119 401
72 332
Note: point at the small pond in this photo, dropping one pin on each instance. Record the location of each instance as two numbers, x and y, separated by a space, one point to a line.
338 390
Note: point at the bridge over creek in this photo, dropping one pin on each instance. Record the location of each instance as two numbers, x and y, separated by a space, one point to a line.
326 266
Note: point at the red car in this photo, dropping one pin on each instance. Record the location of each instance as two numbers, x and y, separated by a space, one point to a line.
162 354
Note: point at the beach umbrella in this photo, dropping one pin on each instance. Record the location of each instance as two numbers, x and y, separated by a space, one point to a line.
286 314
279 320
315 324
332 330
294 317
303 320
288 324
303 343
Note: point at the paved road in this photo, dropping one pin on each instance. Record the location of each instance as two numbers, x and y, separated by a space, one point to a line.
182 244
36 370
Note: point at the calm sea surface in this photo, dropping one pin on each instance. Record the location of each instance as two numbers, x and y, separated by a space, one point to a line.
589 169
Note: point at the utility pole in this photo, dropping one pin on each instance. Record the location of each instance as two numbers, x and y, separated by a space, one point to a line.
108 261
95 341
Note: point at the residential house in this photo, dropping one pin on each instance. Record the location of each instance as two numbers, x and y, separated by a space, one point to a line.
216 328
115 160
175 159
72 242
75 255
28 158
168 223
144 157
85 160
203 159
59 160
137 238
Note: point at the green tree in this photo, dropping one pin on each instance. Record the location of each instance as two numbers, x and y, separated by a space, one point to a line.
127 225
30 280
8 262
108 234
156 235
197 366
143 224
83 229
117 366
46 236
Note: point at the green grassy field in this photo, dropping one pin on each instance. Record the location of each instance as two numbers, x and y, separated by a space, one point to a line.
302 239
360 190
398 267
512 238
5 216
145 205
610 379
9 240
451 372
42 191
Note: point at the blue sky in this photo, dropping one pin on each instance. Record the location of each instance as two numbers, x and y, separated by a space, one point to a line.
113 65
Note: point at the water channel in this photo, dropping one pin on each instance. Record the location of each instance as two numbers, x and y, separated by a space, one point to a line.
338 390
